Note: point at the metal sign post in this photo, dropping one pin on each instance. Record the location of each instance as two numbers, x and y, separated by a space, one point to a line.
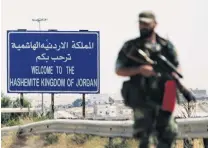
83 105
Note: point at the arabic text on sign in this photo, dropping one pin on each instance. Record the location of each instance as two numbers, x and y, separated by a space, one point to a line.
42 57
39 45
81 45
48 46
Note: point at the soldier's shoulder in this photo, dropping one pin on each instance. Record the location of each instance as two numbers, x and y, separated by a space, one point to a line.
162 40
166 42
133 39
130 42
170 46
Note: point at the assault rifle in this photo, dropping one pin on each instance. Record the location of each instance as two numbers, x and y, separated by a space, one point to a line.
163 67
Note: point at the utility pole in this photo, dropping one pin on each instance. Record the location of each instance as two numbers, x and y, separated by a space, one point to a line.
39 20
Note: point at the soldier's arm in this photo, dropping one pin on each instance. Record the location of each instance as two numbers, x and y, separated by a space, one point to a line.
173 57
124 69
172 54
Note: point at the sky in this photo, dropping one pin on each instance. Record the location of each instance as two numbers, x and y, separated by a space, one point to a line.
183 22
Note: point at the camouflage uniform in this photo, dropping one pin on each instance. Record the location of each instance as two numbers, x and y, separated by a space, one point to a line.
145 100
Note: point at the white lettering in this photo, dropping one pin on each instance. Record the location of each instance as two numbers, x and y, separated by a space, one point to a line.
53 82
59 69
70 70
70 82
87 83
24 82
42 69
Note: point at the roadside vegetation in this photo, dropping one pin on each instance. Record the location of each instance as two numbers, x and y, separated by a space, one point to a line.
54 140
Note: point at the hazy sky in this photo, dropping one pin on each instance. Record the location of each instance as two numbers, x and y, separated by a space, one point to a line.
185 22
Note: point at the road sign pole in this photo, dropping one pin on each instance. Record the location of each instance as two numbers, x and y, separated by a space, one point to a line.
21 94
83 105
52 105
21 100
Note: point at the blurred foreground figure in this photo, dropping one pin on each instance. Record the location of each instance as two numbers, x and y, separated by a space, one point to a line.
152 89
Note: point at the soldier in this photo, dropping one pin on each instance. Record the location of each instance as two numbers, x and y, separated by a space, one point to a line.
144 91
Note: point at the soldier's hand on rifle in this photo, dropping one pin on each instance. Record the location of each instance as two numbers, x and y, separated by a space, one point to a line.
146 70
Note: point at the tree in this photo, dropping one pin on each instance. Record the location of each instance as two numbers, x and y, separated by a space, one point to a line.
5 101
77 103
26 103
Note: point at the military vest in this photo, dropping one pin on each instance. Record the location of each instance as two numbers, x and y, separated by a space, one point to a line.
151 88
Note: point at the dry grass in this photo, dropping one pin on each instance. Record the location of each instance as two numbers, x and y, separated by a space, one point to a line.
26 120
69 141
65 141
198 143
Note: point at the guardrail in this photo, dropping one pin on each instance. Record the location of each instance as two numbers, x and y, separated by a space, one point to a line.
17 110
189 127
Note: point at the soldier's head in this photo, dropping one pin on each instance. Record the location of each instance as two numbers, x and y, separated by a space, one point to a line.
147 24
